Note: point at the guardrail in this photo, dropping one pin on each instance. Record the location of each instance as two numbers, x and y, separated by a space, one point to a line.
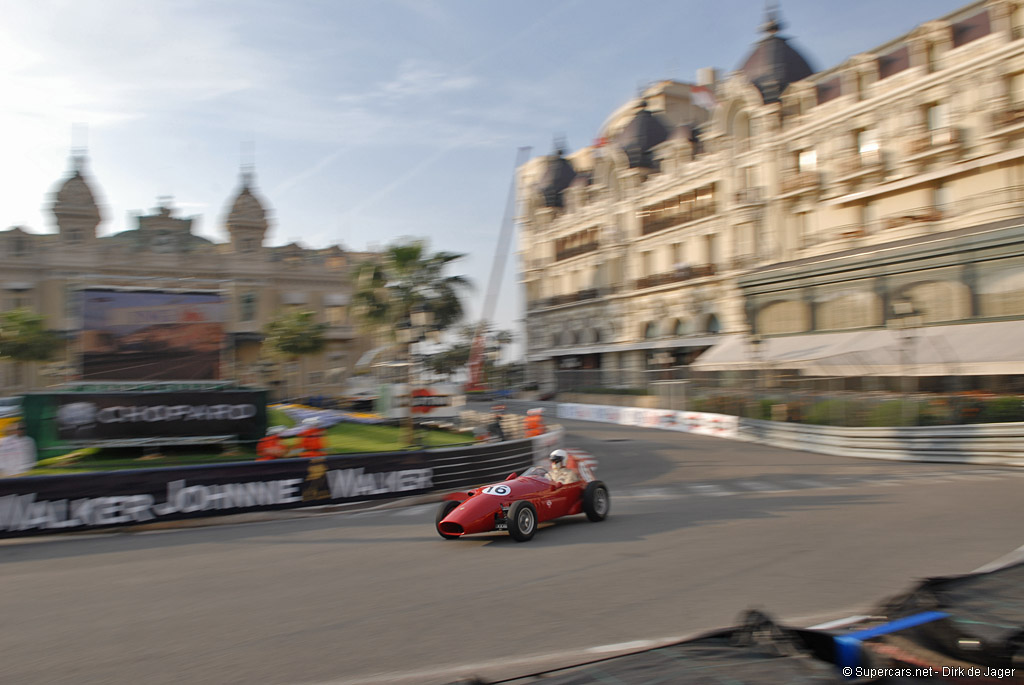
37 505
990 443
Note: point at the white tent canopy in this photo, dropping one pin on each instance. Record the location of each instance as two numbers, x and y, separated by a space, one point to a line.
979 349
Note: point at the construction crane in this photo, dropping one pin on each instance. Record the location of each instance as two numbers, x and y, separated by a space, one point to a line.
476 351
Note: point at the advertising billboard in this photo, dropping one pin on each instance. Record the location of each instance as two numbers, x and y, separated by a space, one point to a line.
111 416
62 421
151 335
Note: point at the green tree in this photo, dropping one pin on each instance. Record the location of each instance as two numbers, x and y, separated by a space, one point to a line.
295 334
404 277
25 338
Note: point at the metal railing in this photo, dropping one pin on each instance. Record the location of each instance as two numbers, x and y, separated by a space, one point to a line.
681 274
763 396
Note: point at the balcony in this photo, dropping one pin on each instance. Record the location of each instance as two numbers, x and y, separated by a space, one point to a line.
1009 117
859 166
678 275
749 197
578 296
741 262
570 252
796 182
917 216
934 144
653 224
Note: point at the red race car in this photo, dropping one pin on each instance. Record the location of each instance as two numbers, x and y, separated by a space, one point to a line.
520 503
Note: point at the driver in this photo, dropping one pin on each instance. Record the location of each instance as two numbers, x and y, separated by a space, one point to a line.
558 471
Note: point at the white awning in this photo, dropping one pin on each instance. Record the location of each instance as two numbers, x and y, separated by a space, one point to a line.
977 349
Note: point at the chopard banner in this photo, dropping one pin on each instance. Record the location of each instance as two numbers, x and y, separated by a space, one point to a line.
83 417
55 504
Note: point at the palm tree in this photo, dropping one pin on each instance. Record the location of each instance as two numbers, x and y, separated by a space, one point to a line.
25 338
296 334
404 278
403 282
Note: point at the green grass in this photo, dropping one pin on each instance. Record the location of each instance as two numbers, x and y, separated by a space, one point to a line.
344 438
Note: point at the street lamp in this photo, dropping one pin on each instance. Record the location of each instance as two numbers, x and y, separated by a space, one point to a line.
904 317
757 354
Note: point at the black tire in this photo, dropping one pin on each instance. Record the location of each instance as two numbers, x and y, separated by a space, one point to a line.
596 501
442 511
522 521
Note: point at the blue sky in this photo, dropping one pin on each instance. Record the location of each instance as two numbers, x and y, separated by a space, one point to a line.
369 120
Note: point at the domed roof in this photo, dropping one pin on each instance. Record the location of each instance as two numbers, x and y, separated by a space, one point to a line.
774 64
557 176
75 195
645 131
247 209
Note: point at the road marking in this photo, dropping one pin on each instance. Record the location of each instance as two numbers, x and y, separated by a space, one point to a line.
1013 557
547 661
710 490
656 493
634 645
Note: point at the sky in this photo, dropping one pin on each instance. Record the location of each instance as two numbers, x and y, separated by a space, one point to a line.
366 121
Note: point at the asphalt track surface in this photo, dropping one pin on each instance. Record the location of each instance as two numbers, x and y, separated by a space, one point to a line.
700 530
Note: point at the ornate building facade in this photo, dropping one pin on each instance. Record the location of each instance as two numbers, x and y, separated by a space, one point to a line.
863 220
43 272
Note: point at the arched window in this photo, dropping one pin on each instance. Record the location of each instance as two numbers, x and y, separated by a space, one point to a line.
712 326
651 330
740 129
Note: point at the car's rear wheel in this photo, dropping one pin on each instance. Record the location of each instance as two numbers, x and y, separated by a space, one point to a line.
596 501
522 521
443 511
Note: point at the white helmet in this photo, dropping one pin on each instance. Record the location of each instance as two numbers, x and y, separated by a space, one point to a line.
558 456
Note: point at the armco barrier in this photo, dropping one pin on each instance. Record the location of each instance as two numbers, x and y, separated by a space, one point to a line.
993 443
717 425
56 504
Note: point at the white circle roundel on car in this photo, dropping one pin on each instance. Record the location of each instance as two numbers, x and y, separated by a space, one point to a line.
499 490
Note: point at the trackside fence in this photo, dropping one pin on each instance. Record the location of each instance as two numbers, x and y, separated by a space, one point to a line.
994 443
37 505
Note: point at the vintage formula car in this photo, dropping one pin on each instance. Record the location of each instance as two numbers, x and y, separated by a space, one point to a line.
521 502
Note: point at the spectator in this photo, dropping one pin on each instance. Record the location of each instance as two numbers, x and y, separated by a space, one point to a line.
495 428
17 451
313 438
534 423
272 446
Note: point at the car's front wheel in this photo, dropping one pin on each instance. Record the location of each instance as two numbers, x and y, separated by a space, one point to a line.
522 521
596 501
443 511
